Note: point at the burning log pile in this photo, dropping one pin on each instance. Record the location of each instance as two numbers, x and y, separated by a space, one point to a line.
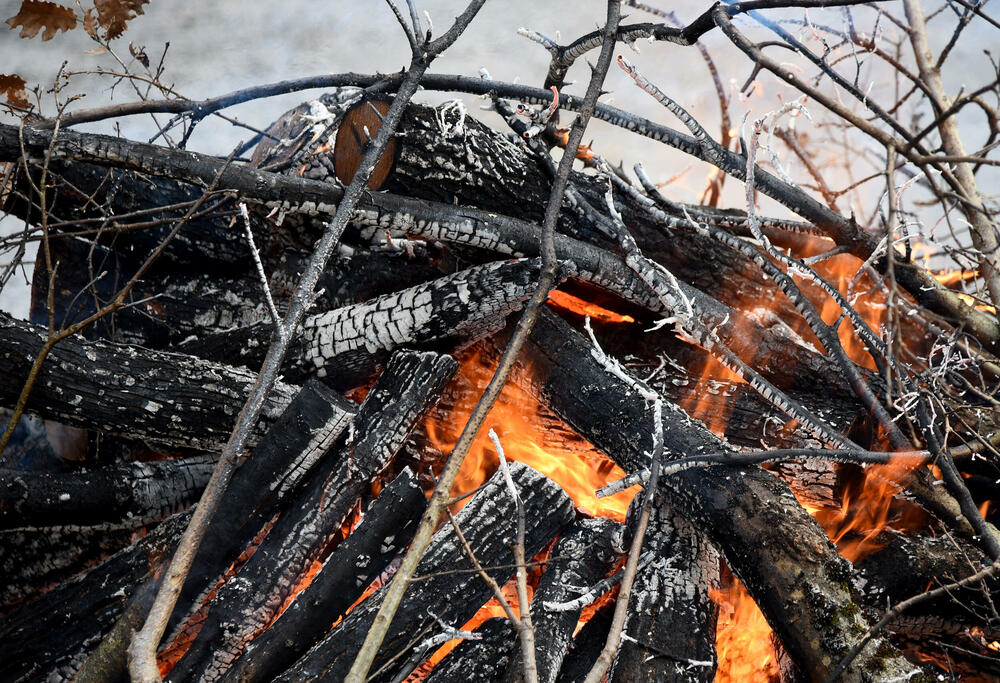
720 436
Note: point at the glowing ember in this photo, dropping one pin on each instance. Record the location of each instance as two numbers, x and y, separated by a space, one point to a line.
582 307
531 435
742 638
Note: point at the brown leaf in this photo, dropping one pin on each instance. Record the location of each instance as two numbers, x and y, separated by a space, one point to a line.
36 15
113 15
90 22
13 86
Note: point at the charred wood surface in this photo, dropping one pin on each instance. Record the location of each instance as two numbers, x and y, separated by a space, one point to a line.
449 590
48 637
908 564
583 554
306 432
587 646
247 603
481 659
34 559
134 211
670 623
344 347
165 398
385 530
160 311
130 495
797 578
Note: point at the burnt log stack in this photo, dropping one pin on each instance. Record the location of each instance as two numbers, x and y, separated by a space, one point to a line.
288 579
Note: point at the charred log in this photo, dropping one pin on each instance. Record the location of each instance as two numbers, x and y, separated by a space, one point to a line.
483 658
385 530
131 495
587 646
50 636
165 398
800 583
345 347
908 564
247 603
450 590
670 623
307 432
583 554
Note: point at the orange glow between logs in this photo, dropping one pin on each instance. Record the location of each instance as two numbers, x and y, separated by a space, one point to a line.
582 307
531 435
742 638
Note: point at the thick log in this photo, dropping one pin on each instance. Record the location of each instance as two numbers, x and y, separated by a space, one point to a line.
482 659
33 560
161 311
129 495
587 646
47 638
584 554
247 603
775 350
908 564
345 347
671 619
306 433
165 398
451 591
780 553
385 530
134 211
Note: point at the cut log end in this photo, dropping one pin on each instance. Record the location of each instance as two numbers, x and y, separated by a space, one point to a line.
359 126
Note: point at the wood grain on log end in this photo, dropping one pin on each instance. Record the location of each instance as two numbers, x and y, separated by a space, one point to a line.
359 126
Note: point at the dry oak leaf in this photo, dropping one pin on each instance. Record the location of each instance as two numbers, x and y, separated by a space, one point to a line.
36 15
14 87
113 15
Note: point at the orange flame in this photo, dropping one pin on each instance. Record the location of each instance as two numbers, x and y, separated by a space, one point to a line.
742 638
529 434
581 307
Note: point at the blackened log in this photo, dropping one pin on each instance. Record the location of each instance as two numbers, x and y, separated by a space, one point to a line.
345 347
247 603
482 659
160 311
451 591
587 646
910 564
306 432
780 553
356 275
134 212
671 620
775 351
165 398
129 495
50 635
385 530
32 560
582 555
